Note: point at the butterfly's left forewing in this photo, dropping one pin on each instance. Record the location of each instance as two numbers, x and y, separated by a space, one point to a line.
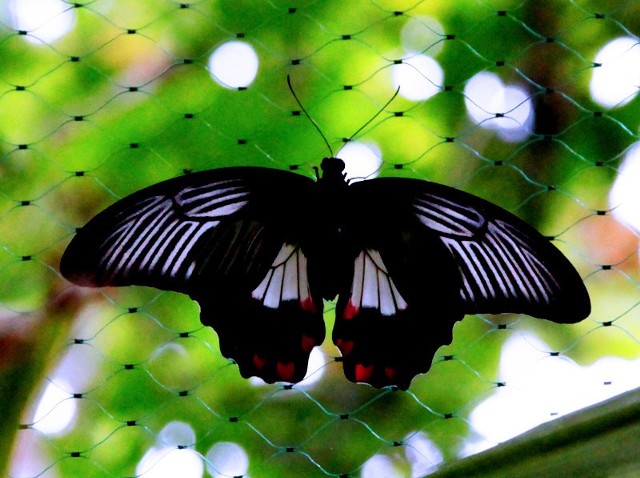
505 264
224 237
426 254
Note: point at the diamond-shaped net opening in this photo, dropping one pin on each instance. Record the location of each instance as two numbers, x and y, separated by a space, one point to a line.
531 105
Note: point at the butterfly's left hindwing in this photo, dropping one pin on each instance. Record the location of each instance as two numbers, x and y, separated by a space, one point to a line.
224 237
400 304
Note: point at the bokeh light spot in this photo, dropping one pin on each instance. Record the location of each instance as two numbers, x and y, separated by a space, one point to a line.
45 20
234 64
615 82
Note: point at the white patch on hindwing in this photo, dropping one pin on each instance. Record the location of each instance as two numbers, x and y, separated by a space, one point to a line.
286 279
373 287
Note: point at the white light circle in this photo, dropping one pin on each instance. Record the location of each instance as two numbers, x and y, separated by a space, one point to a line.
617 80
315 368
46 20
56 409
624 197
419 77
526 399
234 64
380 466
362 160
423 455
315 371
505 109
167 462
176 434
539 387
225 459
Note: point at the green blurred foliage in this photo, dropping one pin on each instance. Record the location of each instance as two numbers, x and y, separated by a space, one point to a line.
125 100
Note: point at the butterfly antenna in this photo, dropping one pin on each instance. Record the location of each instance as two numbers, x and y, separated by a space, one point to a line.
309 116
374 116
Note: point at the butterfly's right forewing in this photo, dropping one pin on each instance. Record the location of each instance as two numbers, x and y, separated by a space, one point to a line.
233 239
155 236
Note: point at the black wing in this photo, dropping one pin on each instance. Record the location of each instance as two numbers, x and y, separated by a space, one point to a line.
505 264
399 307
225 238
425 255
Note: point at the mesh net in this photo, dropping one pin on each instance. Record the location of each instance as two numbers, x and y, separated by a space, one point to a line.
529 104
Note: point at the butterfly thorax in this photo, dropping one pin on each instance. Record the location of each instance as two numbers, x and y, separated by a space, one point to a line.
333 172
328 242
332 200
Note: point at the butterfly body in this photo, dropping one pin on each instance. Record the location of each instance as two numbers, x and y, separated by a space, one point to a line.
260 249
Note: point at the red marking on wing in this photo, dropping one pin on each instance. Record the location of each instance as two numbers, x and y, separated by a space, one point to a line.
363 373
308 305
350 311
390 372
285 370
258 361
345 346
307 343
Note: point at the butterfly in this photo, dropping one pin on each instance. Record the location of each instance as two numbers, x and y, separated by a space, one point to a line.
260 249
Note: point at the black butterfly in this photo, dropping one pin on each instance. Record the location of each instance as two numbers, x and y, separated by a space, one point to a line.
259 249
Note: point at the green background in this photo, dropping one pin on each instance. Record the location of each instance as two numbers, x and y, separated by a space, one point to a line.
125 100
